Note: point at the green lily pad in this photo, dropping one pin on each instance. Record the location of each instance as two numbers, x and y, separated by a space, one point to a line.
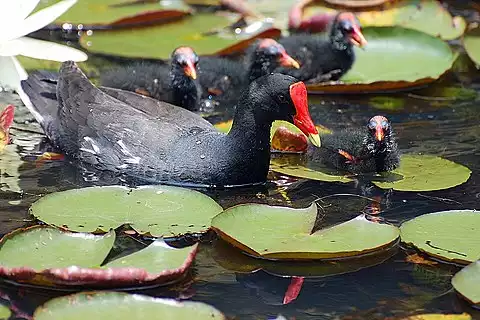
383 64
439 316
198 31
44 255
161 211
448 235
426 173
466 282
5 312
296 167
471 42
116 305
285 233
118 13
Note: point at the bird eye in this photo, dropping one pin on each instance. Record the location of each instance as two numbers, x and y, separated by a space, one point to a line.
372 125
384 124
282 98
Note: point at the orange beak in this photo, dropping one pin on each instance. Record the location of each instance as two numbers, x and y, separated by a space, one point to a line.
357 37
190 70
379 135
287 61
302 119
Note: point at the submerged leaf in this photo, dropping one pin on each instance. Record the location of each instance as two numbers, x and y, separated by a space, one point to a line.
122 306
383 64
466 282
158 210
448 235
285 233
426 173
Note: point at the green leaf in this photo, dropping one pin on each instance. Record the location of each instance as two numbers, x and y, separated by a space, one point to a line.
161 211
448 235
471 42
383 64
426 173
198 31
439 316
155 258
285 233
466 282
120 306
41 248
5 312
296 167
93 13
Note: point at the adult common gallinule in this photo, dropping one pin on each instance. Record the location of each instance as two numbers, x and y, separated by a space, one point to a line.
6 120
162 143
175 83
324 59
369 150
219 76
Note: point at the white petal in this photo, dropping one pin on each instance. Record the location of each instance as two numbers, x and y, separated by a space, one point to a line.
12 73
40 49
37 20
15 11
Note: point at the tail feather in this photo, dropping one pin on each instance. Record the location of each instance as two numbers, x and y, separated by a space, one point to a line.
38 93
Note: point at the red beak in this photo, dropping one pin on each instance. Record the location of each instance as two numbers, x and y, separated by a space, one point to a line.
302 119
287 61
379 135
190 70
357 37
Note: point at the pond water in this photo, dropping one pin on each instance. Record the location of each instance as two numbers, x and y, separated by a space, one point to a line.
441 120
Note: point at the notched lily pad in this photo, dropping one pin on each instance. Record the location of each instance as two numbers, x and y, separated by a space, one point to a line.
384 66
471 42
49 256
451 236
426 173
122 306
161 211
466 283
285 233
207 33
92 14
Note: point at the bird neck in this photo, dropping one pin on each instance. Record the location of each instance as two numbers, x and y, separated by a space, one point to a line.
184 89
260 65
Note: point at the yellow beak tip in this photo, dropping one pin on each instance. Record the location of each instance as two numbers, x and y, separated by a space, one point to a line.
315 140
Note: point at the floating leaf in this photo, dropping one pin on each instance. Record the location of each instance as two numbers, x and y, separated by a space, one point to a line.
447 235
471 42
233 259
10 162
5 312
205 33
93 14
285 233
383 64
44 255
122 306
435 316
466 282
158 210
426 173
296 167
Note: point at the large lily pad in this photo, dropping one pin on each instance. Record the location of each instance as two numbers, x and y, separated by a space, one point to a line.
471 42
93 14
426 173
160 211
206 33
116 305
466 282
395 58
448 235
284 233
44 255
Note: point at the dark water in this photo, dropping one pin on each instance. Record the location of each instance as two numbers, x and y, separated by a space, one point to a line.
441 120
